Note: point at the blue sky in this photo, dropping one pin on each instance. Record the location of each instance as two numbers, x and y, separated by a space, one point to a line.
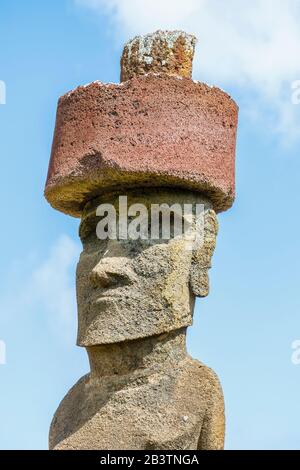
245 328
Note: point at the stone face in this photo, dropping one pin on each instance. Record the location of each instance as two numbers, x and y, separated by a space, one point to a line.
150 131
156 398
169 52
128 289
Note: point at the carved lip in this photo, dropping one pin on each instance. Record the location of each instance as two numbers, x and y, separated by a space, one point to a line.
105 297
111 293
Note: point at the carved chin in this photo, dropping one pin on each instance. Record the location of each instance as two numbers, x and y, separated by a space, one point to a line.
204 291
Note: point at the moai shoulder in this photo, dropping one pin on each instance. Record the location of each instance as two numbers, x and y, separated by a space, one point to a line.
182 409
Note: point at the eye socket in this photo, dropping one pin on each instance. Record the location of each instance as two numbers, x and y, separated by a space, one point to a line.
166 227
154 231
87 240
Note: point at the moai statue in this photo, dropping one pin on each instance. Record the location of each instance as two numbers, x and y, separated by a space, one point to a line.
157 138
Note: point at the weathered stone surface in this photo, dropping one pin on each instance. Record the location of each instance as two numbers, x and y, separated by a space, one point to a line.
135 299
169 52
158 138
128 289
145 394
150 131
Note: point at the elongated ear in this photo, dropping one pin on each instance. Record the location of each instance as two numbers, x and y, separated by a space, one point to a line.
202 255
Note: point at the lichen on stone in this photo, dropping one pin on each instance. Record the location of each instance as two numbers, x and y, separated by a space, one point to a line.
169 52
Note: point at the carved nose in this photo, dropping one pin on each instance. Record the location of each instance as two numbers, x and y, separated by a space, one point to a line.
110 272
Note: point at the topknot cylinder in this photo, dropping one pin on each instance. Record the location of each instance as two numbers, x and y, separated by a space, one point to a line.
163 52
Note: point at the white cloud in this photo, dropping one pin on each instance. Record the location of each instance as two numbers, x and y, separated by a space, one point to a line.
254 46
46 289
52 287
2 92
2 352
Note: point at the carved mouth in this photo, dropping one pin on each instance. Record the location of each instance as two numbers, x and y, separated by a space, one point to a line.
112 293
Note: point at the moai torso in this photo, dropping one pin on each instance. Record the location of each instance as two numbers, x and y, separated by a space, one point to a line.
170 407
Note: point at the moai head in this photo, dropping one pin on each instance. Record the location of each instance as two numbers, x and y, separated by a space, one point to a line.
132 288
158 136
